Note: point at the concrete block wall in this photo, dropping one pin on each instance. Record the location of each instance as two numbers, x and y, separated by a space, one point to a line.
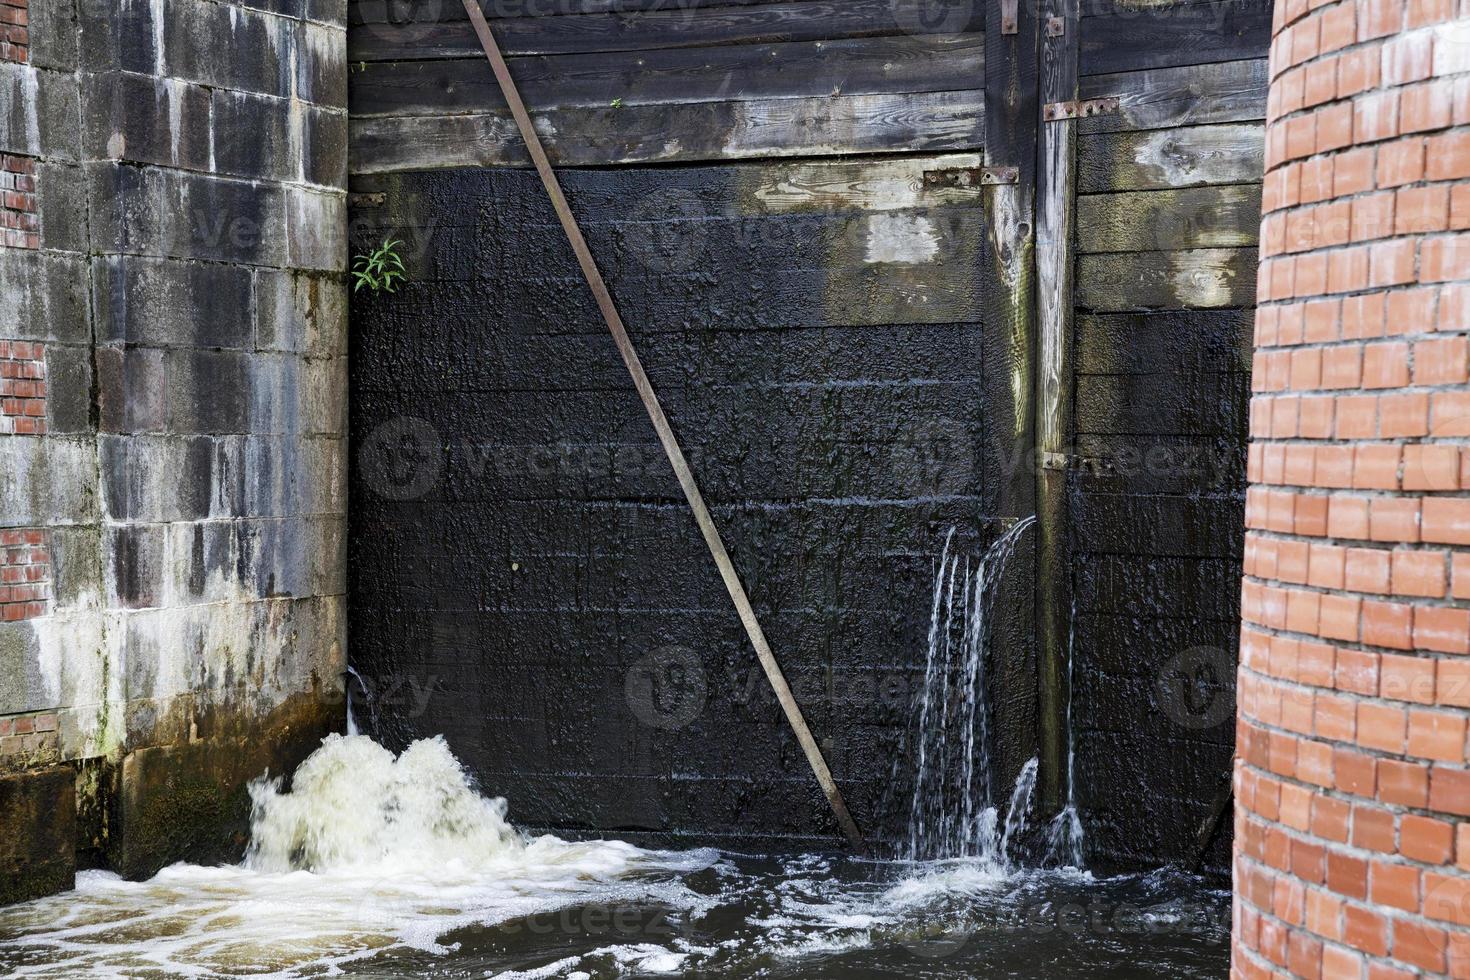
1352 854
172 405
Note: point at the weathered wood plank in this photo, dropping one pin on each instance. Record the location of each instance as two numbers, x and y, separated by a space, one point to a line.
1161 98
827 186
1179 526
673 26
759 190
1009 318
1193 217
1104 8
1159 158
1164 37
738 73
1196 279
1174 341
1156 405
1056 211
931 122
415 11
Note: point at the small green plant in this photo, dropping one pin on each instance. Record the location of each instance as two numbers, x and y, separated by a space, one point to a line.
380 269
617 103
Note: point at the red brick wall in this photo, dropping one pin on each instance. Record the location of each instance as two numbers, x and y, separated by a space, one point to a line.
1352 850
28 740
19 223
22 388
15 40
25 574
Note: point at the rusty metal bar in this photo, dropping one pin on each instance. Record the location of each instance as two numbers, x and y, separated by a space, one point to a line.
1054 111
661 426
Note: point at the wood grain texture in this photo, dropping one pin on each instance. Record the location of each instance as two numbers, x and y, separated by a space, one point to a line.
1183 341
1056 211
687 132
1161 98
497 11
1196 279
430 36
1181 157
1194 217
1175 35
736 73
1159 405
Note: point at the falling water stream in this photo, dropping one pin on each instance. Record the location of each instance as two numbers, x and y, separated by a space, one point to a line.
953 814
381 866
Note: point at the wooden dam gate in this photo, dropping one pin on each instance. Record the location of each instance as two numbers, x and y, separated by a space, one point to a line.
894 266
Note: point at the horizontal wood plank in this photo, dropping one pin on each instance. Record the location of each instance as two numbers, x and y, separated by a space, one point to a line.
735 73
1197 279
1158 158
427 35
1166 97
1107 8
1166 37
1192 217
1164 525
1177 341
1159 405
415 11
682 133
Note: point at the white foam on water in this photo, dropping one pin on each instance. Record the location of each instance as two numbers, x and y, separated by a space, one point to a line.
371 853
366 854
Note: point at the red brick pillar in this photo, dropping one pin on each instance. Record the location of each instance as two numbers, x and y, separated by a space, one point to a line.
1352 849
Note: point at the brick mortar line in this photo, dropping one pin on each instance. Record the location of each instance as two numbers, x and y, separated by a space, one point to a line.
1429 602
1450 79
1365 646
1404 442
1296 835
1363 543
1377 754
1356 698
1366 493
1354 543
1396 916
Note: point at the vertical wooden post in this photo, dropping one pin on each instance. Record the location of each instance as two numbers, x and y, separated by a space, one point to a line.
1012 114
1057 145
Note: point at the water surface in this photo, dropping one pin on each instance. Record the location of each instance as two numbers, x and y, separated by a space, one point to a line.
383 867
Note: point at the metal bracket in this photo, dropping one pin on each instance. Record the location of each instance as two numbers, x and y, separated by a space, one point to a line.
1056 26
1075 110
1055 461
1009 16
374 200
971 176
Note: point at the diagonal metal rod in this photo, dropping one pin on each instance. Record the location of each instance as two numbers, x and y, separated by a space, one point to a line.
661 426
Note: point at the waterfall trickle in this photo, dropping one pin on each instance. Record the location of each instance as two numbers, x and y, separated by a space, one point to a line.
953 812
1064 836
349 675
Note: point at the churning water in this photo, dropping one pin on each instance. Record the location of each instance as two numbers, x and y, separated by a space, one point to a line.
376 866
382 867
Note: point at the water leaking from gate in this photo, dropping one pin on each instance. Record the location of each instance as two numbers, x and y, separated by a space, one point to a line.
376 866
954 813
